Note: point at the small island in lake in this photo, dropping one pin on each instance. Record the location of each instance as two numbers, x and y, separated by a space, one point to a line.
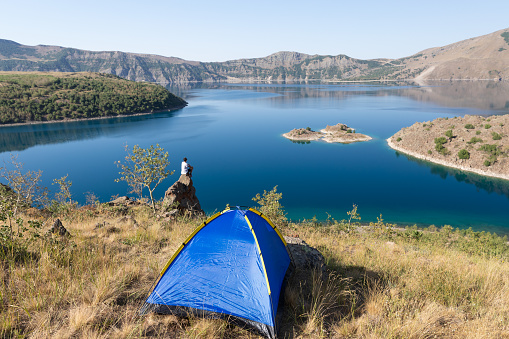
472 143
339 133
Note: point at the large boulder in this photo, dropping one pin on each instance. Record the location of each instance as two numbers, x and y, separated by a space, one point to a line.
303 256
181 196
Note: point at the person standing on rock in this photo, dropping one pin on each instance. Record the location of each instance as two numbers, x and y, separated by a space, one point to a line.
186 168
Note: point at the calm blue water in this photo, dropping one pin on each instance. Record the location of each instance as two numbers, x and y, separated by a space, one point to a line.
231 134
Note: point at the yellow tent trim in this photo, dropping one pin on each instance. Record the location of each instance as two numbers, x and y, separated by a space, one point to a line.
189 239
260 252
271 224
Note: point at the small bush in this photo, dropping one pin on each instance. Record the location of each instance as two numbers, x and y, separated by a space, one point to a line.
398 139
477 132
440 140
430 152
308 129
487 126
448 134
349 130
469 126
270 205
474 140
491 149
487 163
439 145
496 136
463 154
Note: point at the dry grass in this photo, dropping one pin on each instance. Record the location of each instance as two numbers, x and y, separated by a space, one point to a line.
91 286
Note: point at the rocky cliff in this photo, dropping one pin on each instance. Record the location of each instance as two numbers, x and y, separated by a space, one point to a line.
485 57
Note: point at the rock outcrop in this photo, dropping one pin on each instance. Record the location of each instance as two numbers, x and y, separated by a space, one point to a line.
58 228
123 201
303 256
339 133
181 197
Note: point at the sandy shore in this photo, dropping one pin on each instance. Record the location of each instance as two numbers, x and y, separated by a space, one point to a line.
448 164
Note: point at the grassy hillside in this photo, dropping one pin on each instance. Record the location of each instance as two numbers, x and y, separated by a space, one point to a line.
381 282
37 97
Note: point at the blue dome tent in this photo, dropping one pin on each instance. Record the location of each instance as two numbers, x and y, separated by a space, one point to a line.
232 266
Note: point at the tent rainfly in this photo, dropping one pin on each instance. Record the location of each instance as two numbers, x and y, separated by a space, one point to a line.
232 266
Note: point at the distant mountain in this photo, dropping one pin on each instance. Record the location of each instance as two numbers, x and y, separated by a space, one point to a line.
485 57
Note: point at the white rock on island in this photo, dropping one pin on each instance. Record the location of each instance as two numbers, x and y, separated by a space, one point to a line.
339 133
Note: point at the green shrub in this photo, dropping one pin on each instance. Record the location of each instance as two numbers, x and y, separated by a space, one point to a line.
505 35
430 152
487 126
469 126
448 134
463 154
477 132
474 140
491 149
441 149
496 136
398 139
440 140
439 145
270 205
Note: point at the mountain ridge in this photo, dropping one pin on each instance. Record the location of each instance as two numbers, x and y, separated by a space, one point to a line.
484 57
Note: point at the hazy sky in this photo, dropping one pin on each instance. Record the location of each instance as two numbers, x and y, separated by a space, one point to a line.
208 30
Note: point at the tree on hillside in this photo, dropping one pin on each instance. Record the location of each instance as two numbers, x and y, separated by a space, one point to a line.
144 168
270 205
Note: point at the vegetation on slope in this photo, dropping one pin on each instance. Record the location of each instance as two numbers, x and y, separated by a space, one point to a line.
447 141
36 97
380 281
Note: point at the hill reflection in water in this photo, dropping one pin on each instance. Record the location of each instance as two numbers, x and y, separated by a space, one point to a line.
488 96
488 184
18 138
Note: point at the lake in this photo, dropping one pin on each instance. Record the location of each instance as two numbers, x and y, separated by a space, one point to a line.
231 134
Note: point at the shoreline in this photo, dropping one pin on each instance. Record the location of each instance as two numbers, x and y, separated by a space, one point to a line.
88 119
447 164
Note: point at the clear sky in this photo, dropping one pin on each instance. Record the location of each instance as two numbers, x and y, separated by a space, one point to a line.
220 30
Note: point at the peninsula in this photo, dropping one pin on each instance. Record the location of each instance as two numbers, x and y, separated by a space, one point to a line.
472 143
34 97
339 133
